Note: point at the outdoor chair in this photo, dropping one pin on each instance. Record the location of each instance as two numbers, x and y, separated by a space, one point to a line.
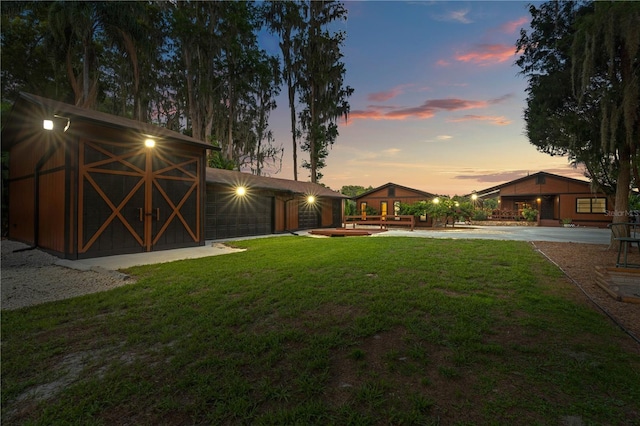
626 234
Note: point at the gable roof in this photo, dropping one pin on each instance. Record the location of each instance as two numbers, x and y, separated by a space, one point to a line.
48 107
406 188
234 178
497 188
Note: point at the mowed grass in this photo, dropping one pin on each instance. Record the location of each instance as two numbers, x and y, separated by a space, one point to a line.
339 331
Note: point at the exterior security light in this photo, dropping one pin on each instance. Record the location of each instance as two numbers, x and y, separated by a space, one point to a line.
474 197
436 200
149 143
241 191
311 199
50 124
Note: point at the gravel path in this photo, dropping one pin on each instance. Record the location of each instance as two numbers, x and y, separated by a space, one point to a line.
32 277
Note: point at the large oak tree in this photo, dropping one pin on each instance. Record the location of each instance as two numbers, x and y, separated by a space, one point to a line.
581 62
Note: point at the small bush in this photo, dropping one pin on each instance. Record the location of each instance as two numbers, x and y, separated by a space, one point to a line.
530 215
480 215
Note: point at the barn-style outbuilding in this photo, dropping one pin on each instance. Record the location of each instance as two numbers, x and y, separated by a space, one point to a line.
83 183
242 204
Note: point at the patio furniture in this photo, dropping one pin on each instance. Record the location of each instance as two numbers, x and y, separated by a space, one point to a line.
626 234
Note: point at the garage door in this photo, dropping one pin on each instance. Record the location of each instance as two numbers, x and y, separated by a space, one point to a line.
228 216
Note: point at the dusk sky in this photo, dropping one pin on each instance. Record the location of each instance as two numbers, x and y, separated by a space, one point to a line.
438 102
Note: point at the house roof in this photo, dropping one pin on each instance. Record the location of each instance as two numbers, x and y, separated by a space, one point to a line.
49 107
496 189
235 178
386 185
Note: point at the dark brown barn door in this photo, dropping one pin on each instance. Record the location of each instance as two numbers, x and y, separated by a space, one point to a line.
174 203
134 199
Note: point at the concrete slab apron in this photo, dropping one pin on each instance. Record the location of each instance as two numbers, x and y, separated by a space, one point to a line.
128 260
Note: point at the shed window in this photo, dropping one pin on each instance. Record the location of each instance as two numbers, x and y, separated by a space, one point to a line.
392 191
591 205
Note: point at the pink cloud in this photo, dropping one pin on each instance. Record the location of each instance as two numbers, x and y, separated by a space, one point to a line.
513 26
443 63
497 120
427 110
384 96
389 94
486 54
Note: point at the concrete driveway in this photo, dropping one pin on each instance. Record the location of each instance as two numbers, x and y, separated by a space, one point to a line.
512 233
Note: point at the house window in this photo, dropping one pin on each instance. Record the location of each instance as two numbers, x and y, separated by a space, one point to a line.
383 208
392 191
591 205
363 208
541 180
396 208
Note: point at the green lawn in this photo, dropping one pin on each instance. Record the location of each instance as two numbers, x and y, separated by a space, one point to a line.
341 331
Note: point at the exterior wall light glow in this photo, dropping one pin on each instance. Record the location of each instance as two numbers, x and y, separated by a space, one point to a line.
50 124
149 143
474 197
241 191
311 199
436 200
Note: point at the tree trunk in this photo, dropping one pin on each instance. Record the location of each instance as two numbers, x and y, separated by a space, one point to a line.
292 109
622 189
312 136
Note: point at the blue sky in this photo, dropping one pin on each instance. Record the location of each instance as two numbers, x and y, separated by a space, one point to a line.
438 102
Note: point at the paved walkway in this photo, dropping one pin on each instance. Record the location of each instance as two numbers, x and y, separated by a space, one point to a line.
214 248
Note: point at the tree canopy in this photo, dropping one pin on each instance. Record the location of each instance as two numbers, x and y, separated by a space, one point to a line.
583 69
195 67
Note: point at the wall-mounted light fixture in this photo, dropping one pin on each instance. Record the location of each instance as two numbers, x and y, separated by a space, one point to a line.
49 123
241 191
311 199
149 143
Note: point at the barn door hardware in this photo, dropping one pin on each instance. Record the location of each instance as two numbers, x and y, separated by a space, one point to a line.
141 214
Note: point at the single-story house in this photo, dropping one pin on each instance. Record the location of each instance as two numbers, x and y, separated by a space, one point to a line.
556 198
386 200
83 184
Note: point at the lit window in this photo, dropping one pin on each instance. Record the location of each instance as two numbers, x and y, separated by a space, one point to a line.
591 205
